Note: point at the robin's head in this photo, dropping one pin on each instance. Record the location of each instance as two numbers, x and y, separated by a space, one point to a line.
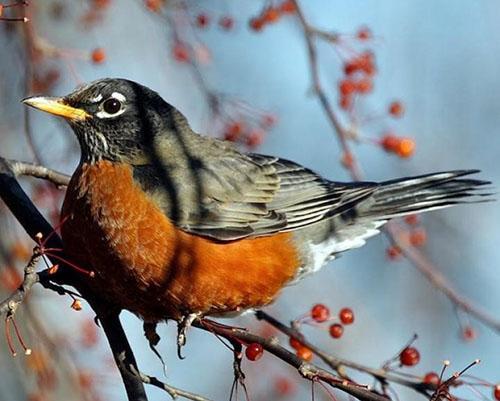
114 119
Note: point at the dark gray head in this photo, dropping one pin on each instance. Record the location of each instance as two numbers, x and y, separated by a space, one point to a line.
114 119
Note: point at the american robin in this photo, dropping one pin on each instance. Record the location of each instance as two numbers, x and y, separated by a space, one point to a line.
175 224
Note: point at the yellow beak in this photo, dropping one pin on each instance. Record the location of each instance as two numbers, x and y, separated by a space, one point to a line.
57 107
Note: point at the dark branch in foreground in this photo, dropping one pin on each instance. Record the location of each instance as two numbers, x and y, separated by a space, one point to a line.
34 223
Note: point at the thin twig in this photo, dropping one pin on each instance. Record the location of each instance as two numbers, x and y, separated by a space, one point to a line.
305 369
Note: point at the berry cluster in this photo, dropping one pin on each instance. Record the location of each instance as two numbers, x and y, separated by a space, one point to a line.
271 14
403 147
359 71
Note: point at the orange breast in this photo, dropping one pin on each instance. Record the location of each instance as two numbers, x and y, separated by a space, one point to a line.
147 265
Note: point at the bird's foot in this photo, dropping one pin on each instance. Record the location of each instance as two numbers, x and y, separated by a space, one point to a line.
153 340
182 328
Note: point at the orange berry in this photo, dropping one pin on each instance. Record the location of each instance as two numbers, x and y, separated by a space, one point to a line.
98 56
288 7
406 147
271 15
364 85
305 353
154 5
347 87
418 237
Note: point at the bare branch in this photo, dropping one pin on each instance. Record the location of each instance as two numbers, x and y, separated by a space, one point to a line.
305 369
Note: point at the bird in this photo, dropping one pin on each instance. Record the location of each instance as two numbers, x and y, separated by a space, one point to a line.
175 224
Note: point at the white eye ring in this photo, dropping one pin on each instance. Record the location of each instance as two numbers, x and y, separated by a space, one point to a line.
116 100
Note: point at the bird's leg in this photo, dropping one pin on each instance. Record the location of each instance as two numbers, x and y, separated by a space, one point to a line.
239 376
153 340
182 327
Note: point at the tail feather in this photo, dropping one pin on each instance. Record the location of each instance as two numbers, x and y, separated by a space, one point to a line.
426 192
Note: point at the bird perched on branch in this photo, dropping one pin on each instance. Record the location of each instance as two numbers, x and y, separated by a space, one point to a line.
177 225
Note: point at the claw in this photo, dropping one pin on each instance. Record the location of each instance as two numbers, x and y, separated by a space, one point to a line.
182 327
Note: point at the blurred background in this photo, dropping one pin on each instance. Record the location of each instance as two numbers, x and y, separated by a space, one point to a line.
439 58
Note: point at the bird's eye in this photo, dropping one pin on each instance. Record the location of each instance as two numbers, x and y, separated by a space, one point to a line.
112 106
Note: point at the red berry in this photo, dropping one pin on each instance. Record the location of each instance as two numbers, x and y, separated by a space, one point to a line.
396 109
283 386
431 378
98 56
412 219
226 22
347 160
295 344
202 20
233 131
345 102
468 333
346 315
255 138
350 67
364 85
418 237
320 313
288 7
390 142
347 87
256 23
268 120
364 33
271 14
393 252
336 330
409 356
254 351
181 53
305 353
496 392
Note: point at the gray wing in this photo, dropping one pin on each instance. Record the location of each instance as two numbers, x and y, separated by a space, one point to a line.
233 195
